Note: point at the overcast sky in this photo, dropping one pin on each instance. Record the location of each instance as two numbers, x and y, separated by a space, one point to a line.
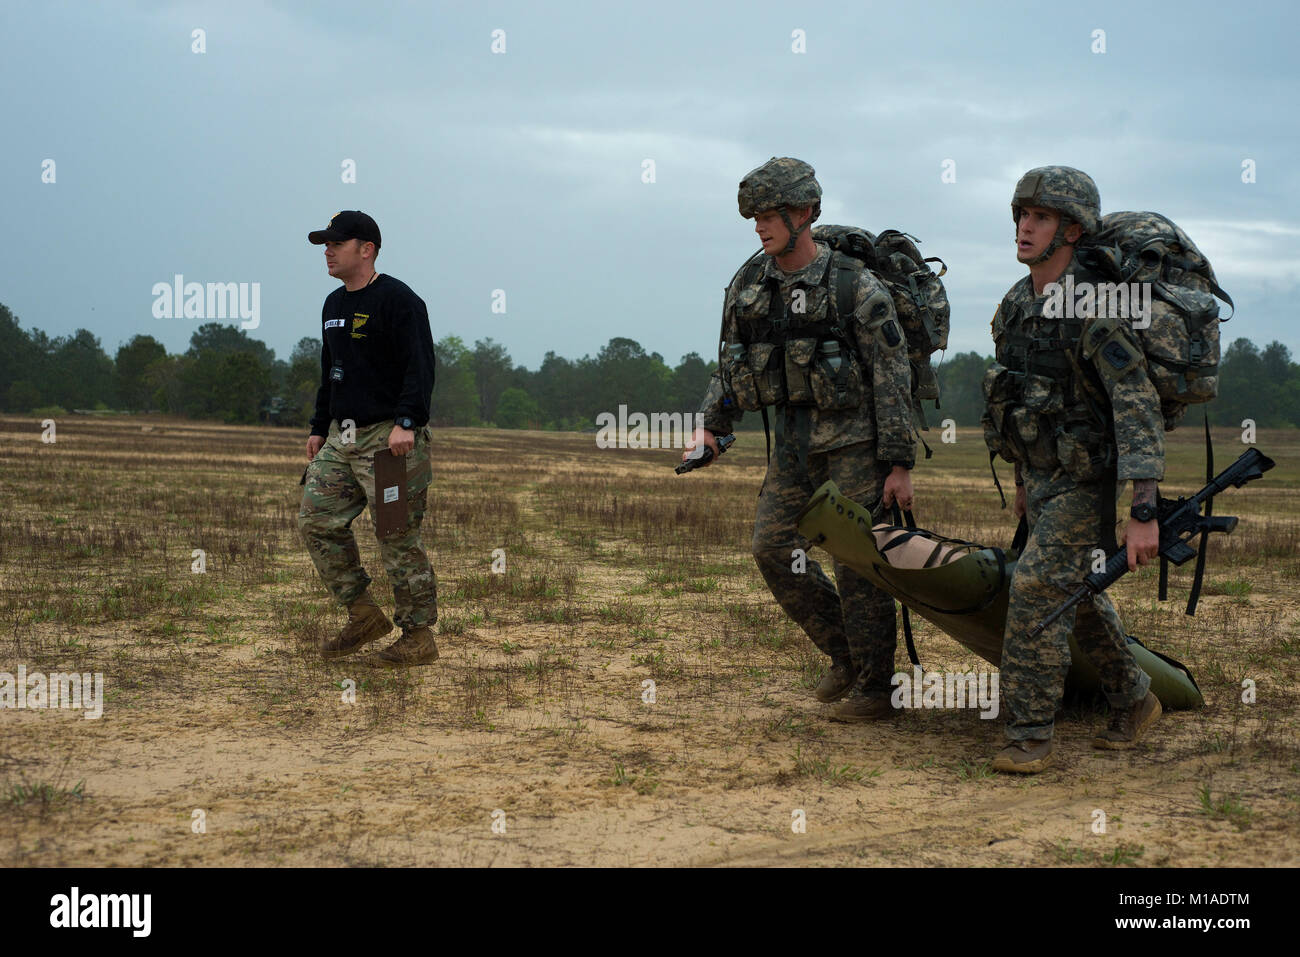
523 170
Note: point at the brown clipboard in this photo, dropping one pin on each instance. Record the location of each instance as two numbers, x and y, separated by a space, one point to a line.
390 493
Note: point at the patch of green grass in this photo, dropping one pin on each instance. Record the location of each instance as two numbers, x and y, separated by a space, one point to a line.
644 782
1068 853
1120 855
1236 587
974 770
544 663
826 770
1227 807
555 615
451 626
1123 853
42 795
667 575
702 585
623 613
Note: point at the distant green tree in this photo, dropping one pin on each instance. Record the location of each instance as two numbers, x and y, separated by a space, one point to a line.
246 385
216 338
561 390
165 380
961 395
1241 372
81 371
627 375
1255 385
22 366
223 365
455 395
492 371
130 368
302 382
516 409
22 397
690 380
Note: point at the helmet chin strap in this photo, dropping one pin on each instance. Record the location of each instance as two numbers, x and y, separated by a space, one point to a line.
1057 242
794 233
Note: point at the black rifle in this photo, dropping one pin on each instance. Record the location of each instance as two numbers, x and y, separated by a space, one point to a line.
706 454
1180 522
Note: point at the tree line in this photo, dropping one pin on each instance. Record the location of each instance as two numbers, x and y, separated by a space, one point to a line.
228 376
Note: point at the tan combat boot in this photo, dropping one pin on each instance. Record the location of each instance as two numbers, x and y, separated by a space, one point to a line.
1127 725
860 708
1024 757
366 622
415 647
838 679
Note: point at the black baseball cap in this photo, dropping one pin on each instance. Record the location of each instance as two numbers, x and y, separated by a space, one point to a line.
349 224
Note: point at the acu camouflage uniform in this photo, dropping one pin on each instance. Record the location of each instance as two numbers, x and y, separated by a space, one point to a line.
340 483
1071 402
854 446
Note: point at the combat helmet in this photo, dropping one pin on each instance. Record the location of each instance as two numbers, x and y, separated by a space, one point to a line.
1069 191
780 183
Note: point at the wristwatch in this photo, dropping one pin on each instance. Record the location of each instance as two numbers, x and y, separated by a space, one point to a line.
1143 513
405 421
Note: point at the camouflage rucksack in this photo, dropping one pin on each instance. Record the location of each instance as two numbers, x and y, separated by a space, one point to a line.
920 300
1181 343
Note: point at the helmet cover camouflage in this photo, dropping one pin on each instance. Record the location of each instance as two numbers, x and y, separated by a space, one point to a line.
1069 191
780 182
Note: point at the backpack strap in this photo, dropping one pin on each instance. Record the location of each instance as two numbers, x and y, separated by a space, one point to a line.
843 283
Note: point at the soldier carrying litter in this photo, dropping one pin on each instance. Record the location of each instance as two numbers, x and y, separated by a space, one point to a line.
1070 402
842 385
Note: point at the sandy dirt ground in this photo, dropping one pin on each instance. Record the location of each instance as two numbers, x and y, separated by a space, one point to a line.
225 740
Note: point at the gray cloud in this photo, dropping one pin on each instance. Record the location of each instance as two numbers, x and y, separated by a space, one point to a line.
523 171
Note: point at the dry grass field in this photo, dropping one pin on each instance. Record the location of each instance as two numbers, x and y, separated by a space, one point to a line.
617 572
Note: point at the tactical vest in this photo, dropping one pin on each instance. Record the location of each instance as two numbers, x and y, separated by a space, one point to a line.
787 357
1045 405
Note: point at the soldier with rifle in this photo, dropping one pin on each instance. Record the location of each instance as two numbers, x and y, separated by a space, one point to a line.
1075 422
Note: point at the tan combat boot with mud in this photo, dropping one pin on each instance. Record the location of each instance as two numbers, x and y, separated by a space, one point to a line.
1024 757
838 679
859 708
1127 725
415 647
366 623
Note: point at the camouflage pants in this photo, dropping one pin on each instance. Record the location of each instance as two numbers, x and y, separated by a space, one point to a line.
855 622
340 482
1064 528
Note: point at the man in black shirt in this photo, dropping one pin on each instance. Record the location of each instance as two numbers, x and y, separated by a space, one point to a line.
376 380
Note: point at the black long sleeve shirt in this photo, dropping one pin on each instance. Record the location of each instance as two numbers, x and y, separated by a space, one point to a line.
379 336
